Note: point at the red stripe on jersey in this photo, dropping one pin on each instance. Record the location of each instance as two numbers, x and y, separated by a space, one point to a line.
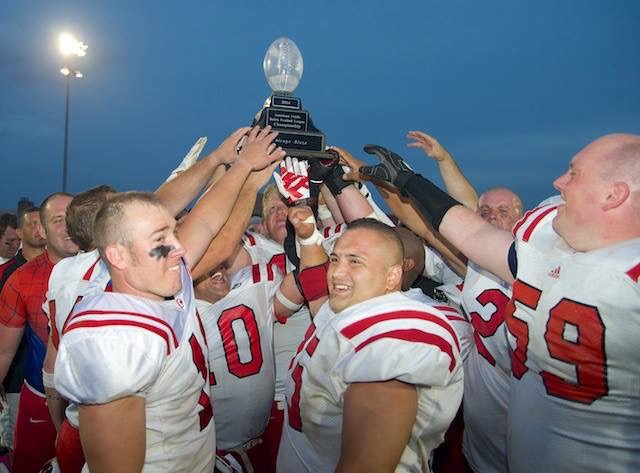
414 335
204 335
325 232
69 316
87 275
255 273
445 309
269 272
536 221
522 221
251 238
55 339
356 328
115 323
338 229
457 318
634 273
121 312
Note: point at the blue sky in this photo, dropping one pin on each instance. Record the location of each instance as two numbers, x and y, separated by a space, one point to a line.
512 88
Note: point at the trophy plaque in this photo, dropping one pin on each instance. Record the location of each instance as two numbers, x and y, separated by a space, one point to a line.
298 136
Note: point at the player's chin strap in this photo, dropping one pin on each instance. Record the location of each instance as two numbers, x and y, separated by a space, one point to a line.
319 168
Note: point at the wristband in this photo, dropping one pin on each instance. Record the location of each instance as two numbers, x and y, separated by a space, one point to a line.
313 282
286 302
47 380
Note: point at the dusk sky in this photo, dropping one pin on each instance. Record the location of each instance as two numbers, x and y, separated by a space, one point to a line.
512 88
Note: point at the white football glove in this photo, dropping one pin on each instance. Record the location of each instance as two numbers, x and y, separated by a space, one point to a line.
190 159
293 180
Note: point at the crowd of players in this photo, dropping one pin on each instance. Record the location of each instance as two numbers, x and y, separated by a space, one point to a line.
326 337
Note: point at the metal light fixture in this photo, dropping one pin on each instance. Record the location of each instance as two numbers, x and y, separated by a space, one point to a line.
69 46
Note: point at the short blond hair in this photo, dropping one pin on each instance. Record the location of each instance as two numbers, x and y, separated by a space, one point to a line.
110 226
269 192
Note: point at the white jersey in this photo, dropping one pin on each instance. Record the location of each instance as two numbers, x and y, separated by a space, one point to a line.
287 336
71 279
460 324
574 327
239 329
487 372
387 337
117 345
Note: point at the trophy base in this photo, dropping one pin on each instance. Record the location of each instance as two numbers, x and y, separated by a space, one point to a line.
297 134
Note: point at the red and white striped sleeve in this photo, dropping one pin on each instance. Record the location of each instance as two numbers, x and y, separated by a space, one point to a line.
524 229
105 356
416 346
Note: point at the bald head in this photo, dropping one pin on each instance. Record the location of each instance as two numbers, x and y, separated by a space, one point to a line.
391 241
619 159
501 207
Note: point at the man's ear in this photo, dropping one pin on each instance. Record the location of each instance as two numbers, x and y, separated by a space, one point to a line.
408 264
618 194
42 231
117 256
19 232
394 278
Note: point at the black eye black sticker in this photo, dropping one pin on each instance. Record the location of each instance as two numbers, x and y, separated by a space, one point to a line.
161 251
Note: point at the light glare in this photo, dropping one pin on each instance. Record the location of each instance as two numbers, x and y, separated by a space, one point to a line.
70 45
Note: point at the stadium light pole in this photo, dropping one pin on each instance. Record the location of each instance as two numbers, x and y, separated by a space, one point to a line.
69 46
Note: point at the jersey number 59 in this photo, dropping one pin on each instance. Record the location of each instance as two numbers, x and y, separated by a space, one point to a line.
586 353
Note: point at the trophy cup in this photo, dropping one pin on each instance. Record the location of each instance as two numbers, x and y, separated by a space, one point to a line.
298 136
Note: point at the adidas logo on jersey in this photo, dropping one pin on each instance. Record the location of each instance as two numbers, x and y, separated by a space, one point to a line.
555 273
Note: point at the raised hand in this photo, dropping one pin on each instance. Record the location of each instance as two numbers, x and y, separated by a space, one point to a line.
392 168
227 152
293 180
303 221
256 150
431 147
354 163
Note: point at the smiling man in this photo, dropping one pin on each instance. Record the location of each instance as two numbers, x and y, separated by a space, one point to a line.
574 317
378 378
21 312
134 359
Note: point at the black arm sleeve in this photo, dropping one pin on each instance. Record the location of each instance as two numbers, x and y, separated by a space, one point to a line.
432 201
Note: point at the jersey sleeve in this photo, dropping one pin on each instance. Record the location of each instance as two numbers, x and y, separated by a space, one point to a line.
416 347
525 228
99 365
462 327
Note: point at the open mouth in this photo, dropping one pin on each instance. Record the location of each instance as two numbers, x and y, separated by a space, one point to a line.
337 289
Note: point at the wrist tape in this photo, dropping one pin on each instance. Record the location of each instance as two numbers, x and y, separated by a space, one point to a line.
315 238
47 380
289 304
